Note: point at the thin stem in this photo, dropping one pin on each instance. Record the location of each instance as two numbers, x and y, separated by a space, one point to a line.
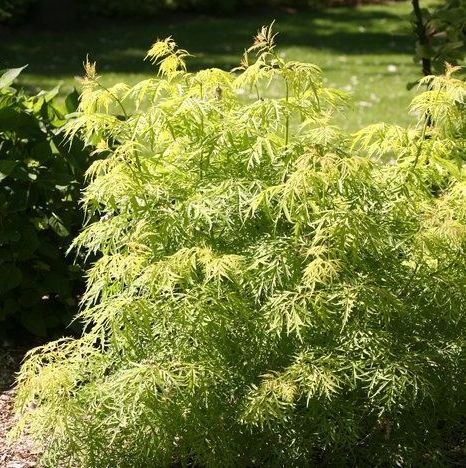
287 118
423 137
133 138
117 99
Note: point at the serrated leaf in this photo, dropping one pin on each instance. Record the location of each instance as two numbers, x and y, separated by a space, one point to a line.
9 76
57 225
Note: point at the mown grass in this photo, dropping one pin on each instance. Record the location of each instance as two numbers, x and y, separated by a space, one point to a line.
366 51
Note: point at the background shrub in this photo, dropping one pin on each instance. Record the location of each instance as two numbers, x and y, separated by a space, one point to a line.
440 32
152 7
48 11
270 292
40 181
14 10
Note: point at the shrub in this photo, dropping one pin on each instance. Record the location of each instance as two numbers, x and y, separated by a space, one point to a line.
40 182
269 292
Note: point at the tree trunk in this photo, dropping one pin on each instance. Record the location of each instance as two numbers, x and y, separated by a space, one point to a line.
422 36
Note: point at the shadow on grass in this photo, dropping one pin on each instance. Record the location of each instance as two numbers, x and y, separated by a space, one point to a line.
119 46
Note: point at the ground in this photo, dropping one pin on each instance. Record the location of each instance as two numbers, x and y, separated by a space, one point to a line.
21 453
367 51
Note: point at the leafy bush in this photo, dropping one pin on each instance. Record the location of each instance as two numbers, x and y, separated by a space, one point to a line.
40 181
14 10
269 292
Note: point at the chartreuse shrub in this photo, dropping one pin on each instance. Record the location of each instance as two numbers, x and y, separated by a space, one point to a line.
41 176
269 291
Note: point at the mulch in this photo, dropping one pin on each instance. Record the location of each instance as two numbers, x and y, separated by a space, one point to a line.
20 453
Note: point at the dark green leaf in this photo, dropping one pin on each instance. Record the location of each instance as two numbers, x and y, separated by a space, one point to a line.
33 320
6 168
10 277
72 101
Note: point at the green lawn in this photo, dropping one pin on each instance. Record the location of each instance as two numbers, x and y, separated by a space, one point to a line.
367 51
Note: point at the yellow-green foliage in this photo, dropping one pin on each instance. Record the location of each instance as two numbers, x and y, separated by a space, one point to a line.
270 291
